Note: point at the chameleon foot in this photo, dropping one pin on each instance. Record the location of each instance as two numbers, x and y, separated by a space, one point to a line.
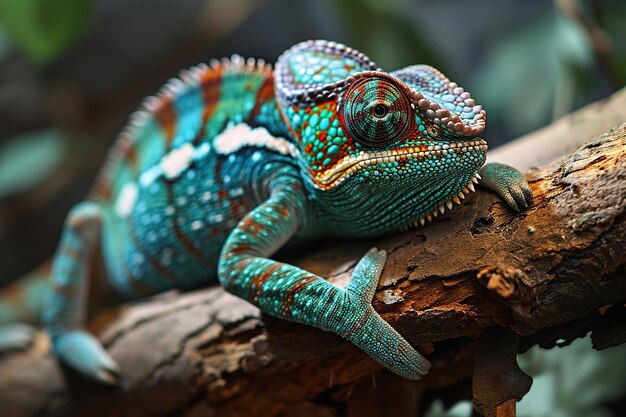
84 353
509 183
361 325
16 337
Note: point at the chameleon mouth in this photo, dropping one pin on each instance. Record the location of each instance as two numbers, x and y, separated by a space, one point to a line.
350 164
440 209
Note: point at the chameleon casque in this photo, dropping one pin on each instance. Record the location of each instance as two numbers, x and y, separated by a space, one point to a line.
230 161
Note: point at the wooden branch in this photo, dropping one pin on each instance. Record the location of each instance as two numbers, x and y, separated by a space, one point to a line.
209 353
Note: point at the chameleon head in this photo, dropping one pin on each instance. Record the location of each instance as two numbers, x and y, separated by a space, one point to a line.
399 146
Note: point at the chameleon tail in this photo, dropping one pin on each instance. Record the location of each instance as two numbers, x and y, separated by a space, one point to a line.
21 301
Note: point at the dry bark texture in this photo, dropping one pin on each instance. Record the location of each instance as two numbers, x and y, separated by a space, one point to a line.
209 353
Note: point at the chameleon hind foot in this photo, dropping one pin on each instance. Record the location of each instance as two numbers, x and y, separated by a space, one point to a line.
361 325
83 352
16 336
64 312
508 183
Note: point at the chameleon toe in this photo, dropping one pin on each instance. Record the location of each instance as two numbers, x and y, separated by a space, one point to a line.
84 353
412 365
508 197
528 193
518 195
508 183
366 275
108 377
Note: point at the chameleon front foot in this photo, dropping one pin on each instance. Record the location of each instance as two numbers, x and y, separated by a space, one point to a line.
16 337
362 326
84 353
508 183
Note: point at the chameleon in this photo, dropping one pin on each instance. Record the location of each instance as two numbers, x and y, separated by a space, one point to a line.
234 160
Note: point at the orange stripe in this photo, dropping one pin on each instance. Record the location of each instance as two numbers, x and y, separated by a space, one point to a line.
295 289
257 282
210 82
188 244
263 95
166 116
132 159
358 324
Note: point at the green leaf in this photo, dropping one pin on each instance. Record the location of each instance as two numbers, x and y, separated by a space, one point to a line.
43 29
26 161
460 409
528 76
572 381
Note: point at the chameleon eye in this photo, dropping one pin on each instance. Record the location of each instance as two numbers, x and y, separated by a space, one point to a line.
375 112
380 110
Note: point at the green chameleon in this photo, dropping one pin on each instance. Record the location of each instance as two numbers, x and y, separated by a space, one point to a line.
230 161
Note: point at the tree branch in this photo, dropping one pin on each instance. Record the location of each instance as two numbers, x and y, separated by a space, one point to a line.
209 353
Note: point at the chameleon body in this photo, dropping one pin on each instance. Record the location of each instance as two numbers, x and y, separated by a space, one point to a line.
230 161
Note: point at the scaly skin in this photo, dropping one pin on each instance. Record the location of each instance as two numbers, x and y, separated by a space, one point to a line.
228 163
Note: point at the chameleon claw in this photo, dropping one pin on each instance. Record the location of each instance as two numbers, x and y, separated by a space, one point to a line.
518 195
508 183
364 280
528 193
83 352
511 202
108 377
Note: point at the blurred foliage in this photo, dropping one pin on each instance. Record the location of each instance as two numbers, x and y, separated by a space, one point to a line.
5 43
43 29
530 75
29 160
572 381
460 409
386 32
613 19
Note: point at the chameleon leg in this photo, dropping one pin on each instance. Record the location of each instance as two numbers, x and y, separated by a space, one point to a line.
508 183
291 293
64 305
371 333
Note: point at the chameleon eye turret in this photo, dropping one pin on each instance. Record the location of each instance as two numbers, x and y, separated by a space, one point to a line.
376 112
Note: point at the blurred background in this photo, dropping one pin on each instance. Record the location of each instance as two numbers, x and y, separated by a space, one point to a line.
71 71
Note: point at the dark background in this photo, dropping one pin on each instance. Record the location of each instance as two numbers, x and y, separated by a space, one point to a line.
71 71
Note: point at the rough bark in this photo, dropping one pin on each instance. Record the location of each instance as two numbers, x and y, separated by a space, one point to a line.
547 273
